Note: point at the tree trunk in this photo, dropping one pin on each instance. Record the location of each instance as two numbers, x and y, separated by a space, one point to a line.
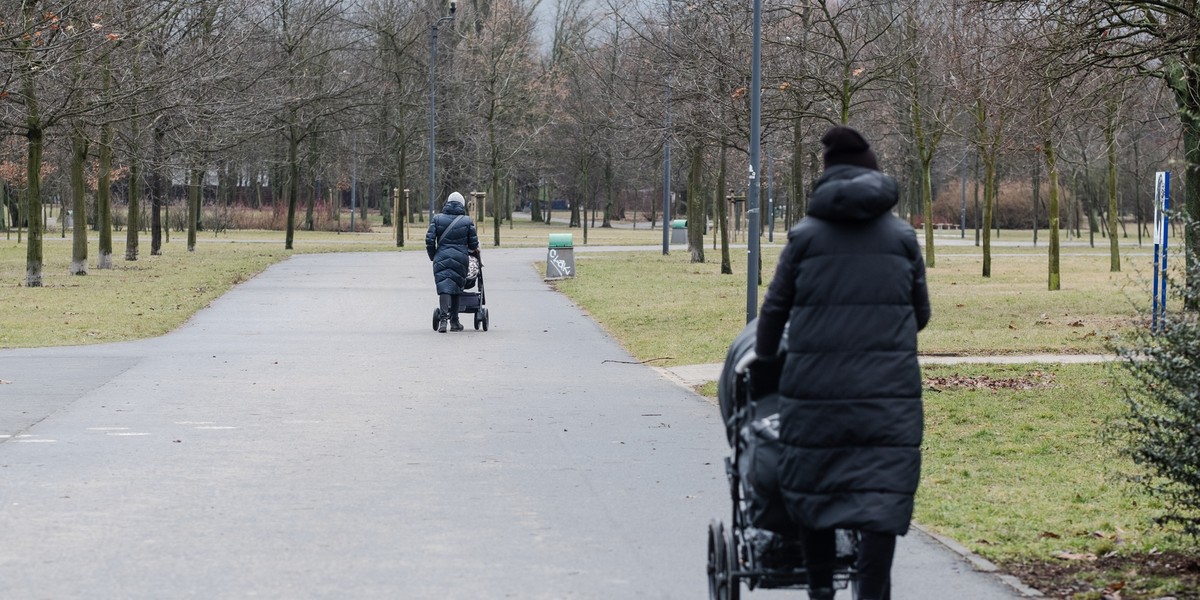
989 183
1184 82
157 194
575 205
105 196
133 220
695 207
33 173
535 207
293 184
925 158
79 249
1054 282
722 210
497 214
609 192
1110 138
989 205
195 178
795 209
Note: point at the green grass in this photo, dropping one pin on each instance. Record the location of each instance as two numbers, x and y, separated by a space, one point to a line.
137 299
1030 479
1019 472
665 307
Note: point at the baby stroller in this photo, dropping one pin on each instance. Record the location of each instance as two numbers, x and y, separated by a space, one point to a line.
470 302
762 546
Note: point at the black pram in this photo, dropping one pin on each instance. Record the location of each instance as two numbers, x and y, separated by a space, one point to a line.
470 302
762 546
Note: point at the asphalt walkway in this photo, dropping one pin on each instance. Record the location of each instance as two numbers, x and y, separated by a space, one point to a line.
310 436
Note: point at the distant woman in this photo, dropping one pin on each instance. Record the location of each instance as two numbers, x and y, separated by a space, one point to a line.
850 286
450 240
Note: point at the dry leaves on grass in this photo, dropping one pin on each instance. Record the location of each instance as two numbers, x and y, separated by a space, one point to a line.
1136 576
1029 381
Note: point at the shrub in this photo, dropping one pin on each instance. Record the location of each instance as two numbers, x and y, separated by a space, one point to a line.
1161 431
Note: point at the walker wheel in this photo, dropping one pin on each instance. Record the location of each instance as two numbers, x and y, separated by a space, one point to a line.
721 583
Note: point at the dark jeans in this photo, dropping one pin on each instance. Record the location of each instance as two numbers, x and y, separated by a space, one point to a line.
875 552
449 306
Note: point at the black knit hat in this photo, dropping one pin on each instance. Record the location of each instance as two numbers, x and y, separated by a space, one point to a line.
846 146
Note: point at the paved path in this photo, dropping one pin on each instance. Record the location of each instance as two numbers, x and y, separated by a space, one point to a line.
310 436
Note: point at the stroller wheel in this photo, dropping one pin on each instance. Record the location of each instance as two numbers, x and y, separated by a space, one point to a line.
485 318
437 316
722 585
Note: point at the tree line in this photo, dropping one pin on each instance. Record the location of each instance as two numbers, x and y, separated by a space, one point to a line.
286 103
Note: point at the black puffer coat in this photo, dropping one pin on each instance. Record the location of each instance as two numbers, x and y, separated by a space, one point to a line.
450 256
851 286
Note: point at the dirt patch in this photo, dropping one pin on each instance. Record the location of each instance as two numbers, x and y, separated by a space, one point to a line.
1152 576
1029 381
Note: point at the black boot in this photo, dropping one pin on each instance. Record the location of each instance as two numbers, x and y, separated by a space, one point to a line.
454 324
822 593
444 316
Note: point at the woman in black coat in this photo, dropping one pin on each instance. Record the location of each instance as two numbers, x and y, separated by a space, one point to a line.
450 240
850 286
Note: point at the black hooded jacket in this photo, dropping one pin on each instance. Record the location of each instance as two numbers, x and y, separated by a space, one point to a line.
850 286
449 255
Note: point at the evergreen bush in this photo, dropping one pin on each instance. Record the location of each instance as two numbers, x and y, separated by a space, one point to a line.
1161 431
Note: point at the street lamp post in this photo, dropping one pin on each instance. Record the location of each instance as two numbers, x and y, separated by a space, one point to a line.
354 185
407 213
666 185
752 208
770 198
433 34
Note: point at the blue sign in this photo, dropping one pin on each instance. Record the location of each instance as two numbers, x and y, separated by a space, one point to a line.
1162 221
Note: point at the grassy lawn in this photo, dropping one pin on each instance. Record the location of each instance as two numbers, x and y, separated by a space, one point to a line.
1017 467
666 309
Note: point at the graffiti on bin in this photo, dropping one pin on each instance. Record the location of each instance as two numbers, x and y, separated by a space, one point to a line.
561 265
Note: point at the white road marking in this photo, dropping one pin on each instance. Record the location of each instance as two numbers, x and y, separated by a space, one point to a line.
217 427
129 433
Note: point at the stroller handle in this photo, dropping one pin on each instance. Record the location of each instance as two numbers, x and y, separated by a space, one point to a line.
744 364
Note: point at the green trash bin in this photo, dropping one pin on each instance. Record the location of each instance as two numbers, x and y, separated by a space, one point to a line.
560 256
679 231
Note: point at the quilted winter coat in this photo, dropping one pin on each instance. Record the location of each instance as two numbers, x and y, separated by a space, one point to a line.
450 256
850 285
